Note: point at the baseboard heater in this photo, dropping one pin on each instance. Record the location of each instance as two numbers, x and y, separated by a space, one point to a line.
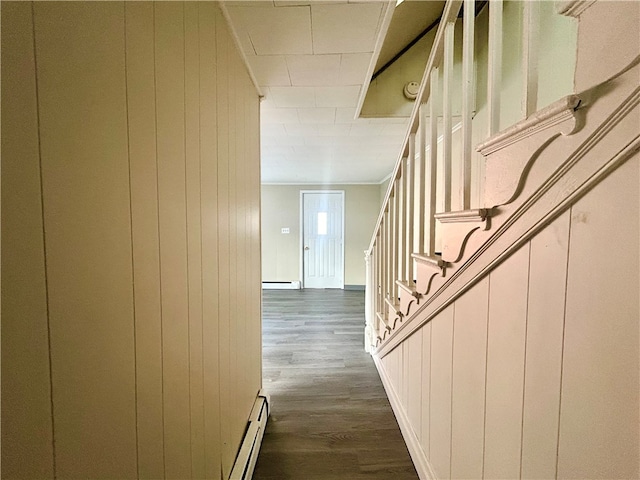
295 285
248 454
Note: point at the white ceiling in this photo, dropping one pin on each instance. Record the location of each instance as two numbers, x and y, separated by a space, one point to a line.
311 59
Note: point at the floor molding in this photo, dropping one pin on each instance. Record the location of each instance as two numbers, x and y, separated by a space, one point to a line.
294 285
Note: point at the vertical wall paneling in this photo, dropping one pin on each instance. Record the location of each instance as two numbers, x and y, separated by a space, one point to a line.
413 366
194 246
240 318
233 320
254 275
545 328
505 366
209 235
390 362
440 401
468 391
141 114
131 137
86 197
170 110
425 386
26 393
404 373
599 402
224 285
253 283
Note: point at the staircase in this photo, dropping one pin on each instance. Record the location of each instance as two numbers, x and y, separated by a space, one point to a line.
449 205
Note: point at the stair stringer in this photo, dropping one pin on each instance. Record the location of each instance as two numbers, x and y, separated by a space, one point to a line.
608 137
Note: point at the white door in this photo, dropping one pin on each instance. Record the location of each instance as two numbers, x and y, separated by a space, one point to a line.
322 239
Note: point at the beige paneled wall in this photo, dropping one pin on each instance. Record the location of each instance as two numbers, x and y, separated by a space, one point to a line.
281 208
533 372
24 286
131 262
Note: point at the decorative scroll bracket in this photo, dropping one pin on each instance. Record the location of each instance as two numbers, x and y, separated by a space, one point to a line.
408 296
427 268
508 153
457 227
397 314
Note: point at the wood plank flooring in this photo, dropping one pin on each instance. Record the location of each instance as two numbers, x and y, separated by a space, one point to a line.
330 417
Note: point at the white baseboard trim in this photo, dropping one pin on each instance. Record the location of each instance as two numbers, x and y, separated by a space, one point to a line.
250 448
420 461
294 285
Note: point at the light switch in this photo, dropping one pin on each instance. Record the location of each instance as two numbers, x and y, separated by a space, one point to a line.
285 230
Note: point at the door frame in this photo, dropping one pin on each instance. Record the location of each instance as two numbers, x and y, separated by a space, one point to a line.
344 215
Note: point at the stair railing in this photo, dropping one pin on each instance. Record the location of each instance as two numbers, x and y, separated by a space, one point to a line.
422 194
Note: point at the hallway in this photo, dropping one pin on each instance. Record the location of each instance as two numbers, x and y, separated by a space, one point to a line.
330 416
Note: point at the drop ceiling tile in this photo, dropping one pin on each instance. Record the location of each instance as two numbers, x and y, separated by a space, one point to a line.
278 115
386 120
365 129
306 151
244 3
289 3
301 130
337 96
276 150
347 28
317 115
353 68
391 140
272 129
396 129
336 130
345 115
388 153
281 141
293 25
339 141
292 97
270 70
312 70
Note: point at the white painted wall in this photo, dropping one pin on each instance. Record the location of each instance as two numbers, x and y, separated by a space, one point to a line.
281 208
131 242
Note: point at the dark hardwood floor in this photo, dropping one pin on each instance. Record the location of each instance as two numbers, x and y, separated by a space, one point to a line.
330 417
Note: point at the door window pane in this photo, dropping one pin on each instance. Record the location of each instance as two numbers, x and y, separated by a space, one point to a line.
322 223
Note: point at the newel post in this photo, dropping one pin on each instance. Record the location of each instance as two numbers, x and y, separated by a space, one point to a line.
369 331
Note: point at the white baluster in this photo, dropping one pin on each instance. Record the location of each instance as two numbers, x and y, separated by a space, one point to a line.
402 221
446 98
421 184
468 86
530 45
409 204
494 81
433 161
396 243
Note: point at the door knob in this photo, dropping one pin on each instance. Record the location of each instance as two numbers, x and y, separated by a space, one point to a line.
306 248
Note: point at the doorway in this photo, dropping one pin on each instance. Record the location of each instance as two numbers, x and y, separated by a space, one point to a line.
322 238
